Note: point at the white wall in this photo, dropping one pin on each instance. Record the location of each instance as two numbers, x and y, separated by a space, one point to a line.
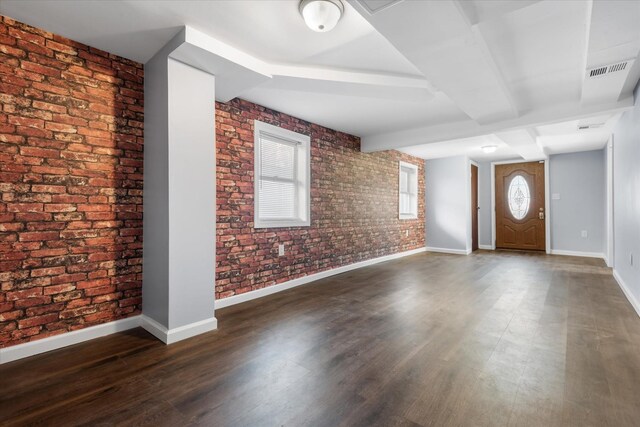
579 179
448 204
626 201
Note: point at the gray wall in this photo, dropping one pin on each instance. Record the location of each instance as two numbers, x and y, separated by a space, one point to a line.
155 285
484 201
579 179
179 193
447 203
626 199
192 194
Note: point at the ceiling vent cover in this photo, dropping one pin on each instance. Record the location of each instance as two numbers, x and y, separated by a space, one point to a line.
608 69
375 6
590 126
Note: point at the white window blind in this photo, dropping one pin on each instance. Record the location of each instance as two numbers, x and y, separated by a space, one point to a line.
282 177
408 190
278 178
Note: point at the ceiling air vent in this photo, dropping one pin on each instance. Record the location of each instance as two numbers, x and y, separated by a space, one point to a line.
375 6
591 126
608 69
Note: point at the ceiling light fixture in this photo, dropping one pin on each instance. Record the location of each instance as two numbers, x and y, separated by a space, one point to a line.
488 149
321 15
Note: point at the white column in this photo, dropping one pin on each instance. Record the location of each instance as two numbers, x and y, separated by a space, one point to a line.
179 199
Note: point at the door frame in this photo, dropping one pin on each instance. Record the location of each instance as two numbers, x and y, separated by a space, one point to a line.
470 221
547 217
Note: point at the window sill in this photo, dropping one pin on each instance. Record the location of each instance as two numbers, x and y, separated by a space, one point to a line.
401 217
281 224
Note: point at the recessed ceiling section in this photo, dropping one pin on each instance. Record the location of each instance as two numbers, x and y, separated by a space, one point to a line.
487 10
529 144
470 147
352 108
540 51
438 38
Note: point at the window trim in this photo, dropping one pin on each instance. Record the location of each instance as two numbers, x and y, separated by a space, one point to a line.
413 215
303 143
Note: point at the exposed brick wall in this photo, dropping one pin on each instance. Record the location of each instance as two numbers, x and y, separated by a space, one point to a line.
354 205
70 183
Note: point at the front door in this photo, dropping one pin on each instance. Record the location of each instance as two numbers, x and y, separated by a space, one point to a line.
520 206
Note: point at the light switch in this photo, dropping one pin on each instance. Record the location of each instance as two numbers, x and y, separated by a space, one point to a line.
555 196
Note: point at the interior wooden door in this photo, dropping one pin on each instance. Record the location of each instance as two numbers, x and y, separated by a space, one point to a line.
474 207
520 206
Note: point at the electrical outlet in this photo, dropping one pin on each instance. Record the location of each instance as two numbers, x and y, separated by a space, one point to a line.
584 234
280 250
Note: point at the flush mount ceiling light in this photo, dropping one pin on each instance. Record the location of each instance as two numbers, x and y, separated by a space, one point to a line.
489 148
321 15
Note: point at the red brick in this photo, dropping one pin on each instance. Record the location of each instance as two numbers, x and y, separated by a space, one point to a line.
66 279
61 47
49 107
11 315
26 293
40 152
25 207
31 302
50 271
40 69
48 189
38 320
38 236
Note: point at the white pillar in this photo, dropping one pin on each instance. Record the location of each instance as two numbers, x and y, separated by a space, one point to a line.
179 199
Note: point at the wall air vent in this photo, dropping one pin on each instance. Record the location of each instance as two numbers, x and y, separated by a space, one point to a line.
608 69
375 6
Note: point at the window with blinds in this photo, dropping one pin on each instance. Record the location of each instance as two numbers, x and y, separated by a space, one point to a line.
408 191
281 177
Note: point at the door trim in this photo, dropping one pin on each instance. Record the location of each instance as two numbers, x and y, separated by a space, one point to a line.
469 207
547 218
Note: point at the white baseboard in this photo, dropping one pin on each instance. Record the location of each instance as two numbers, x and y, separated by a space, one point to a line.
627 292
486 247
170 336
578 253
55 342
259 293
449 251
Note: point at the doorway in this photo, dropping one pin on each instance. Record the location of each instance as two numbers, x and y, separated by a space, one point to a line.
474 208
520 206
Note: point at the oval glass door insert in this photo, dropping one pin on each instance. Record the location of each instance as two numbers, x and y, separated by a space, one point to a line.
519 197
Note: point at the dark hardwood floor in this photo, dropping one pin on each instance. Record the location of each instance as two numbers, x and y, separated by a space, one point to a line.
495 339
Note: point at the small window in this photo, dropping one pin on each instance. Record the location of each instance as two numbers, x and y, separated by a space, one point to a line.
282 161
519 197
408 203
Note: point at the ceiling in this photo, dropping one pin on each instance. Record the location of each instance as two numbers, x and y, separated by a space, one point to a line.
432 78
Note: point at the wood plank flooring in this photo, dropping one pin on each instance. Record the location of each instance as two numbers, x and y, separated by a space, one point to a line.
495 339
